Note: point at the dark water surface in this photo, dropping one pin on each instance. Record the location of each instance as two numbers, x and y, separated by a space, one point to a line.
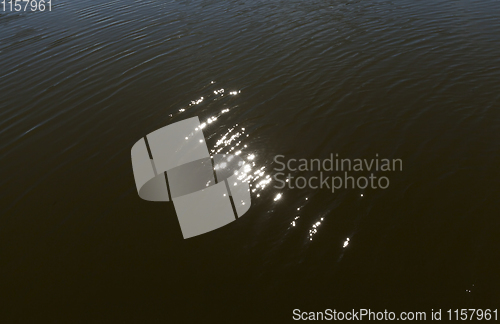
414 80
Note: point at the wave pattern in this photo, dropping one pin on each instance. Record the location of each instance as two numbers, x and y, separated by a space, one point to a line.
415 80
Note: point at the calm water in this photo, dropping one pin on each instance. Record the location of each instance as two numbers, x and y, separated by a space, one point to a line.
415 80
